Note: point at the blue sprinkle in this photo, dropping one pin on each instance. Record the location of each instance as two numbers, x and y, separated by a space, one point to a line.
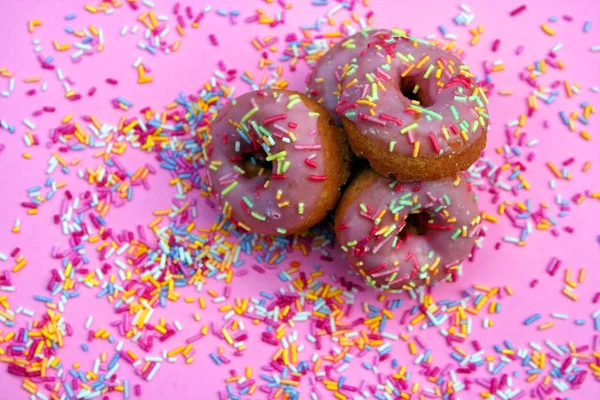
532 319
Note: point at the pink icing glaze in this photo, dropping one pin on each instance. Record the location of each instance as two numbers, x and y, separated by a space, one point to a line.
374 81
294 188
324 82
391 262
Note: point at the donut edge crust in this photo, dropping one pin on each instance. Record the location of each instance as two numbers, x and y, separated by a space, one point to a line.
410 169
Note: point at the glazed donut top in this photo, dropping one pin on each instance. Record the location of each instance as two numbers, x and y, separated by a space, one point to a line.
417 99
324 83
395 253
266 157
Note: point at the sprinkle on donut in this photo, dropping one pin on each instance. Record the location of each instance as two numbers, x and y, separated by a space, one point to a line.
412 109
276 162
400 236
325 82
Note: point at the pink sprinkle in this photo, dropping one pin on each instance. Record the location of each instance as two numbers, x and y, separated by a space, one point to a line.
596 298
518 10
569 161
519 50
176 8
181 21
92 91
112 81
213 40
496 45
30 92
533 283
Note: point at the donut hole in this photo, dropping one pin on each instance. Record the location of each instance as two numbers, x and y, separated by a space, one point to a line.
255 164
415 90
416 225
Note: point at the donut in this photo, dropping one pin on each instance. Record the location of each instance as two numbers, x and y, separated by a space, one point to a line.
412 109
400 236
324 82
276 162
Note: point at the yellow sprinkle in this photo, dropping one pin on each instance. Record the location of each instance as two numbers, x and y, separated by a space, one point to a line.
548 30
416 147
546 326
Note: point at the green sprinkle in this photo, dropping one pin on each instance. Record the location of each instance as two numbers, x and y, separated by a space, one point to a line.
262 130
402 57
352 243
389 231
300 208
475 126
415 208
248 202
313 114
428 112
369 77
430 254
429 69
286 165
238 169
416 89
229 188
392 277
350 114
392 144
456 234
446 199
409 127
249 114
461 99
277 156
374 91
386 67
293 102
281 231
258 216
454 113
363 207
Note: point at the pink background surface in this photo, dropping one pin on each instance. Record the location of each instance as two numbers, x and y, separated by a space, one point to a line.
193 64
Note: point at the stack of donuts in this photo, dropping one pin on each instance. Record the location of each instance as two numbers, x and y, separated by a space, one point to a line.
279 161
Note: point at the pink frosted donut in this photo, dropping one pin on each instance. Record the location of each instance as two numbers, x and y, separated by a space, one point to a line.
276 162
324 83
412 109
400 236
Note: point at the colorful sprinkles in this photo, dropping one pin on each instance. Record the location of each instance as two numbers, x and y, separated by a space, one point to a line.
321 333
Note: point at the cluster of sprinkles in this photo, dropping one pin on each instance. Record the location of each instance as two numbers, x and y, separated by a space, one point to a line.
314 326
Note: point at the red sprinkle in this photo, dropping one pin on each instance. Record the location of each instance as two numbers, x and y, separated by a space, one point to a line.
317 177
